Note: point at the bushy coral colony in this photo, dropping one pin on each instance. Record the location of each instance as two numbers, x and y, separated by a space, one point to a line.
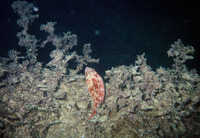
52 100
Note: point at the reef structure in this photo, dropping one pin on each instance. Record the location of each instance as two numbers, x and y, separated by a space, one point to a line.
52 100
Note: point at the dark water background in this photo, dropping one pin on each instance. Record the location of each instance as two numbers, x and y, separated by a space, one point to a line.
118 30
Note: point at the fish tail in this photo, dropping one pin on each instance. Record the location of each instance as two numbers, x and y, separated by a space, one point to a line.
94 110
93 113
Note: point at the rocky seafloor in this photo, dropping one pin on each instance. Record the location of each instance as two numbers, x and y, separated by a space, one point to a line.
52 100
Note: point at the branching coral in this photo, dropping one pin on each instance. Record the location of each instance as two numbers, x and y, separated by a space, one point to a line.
52 100
163 98
30 89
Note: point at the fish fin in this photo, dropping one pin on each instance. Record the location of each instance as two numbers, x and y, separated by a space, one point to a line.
94 110
93 113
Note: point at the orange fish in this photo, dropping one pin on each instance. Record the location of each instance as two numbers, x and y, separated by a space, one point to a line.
95 87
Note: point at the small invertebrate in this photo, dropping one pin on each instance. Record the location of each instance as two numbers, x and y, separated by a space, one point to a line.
95 87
